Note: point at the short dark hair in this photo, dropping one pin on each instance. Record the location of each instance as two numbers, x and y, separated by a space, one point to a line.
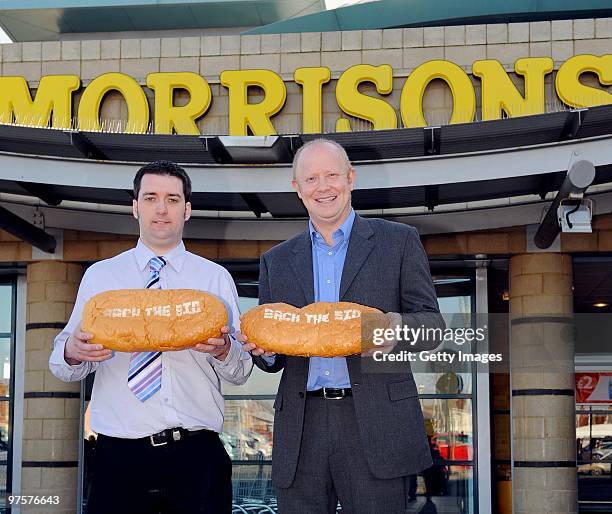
163 168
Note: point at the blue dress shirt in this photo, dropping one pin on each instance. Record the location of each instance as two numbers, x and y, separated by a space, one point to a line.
327 266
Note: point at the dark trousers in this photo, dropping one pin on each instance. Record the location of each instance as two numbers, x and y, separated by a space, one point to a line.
332 467
182 477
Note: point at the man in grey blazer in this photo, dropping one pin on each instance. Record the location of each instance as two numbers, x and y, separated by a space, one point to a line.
341 433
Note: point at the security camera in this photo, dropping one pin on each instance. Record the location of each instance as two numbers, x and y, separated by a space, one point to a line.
570 208
575 215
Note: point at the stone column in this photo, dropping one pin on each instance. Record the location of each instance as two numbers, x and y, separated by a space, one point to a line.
51 408
542 382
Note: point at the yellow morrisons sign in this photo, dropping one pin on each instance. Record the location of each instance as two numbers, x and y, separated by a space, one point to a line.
53 101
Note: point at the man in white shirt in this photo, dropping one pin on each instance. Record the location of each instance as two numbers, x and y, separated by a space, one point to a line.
158 447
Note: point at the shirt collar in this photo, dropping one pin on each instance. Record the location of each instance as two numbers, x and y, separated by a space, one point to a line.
175 257
344 230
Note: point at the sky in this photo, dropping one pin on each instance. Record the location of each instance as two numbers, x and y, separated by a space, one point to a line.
331 4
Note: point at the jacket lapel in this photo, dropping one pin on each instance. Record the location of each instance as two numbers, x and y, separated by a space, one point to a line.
301 263
360 247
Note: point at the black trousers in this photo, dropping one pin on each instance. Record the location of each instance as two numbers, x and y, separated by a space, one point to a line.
182 477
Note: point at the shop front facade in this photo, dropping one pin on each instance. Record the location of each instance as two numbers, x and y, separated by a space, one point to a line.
475 127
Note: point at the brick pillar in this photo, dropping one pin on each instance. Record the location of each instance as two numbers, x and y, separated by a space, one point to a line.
51 409
542 381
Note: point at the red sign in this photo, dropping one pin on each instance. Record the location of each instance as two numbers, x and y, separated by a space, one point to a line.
594 387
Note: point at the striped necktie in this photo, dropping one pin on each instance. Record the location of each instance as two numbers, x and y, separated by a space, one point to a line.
144 373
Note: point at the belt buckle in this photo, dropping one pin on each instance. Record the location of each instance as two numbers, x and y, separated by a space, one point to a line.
339 397
176 434
153 443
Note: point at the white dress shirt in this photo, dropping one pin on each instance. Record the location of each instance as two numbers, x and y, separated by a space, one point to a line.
189 396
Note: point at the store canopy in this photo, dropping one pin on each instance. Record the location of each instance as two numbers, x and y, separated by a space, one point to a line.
41 20
385 14
417 167
370 145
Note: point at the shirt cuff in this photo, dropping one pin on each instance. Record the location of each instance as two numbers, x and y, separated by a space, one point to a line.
65 371
268 359
232 357
395 319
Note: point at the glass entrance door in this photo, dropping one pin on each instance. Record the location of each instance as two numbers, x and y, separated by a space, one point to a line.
7 344
447 392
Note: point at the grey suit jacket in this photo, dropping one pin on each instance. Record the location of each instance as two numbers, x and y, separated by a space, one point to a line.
386 267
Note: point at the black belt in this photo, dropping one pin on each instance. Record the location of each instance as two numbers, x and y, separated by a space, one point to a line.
331 393
170 435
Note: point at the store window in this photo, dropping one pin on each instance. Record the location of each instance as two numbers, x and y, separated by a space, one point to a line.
594 444
7 344
593 381
249 425
594 440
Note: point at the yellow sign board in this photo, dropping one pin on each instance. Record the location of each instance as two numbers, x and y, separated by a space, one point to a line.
52 104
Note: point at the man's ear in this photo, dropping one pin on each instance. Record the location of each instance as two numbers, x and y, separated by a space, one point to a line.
135 208
351 177
296 187
187 211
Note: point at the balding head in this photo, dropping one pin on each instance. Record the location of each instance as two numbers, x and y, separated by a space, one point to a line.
311 146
